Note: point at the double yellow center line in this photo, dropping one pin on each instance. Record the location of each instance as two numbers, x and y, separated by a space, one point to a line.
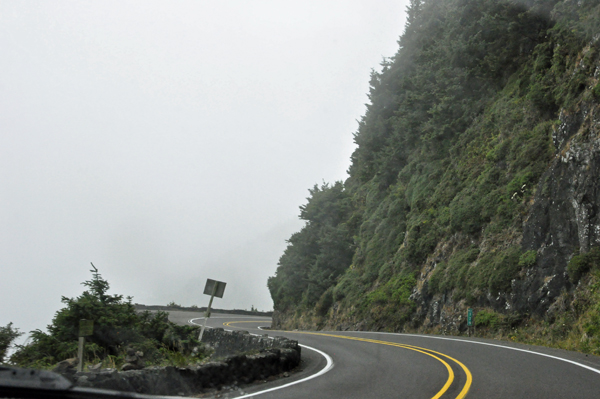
436 355
228 324
425 351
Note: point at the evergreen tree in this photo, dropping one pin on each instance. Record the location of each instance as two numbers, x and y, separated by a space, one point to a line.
7 335
116 325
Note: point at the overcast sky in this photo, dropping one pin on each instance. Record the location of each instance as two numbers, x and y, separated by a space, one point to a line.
171 141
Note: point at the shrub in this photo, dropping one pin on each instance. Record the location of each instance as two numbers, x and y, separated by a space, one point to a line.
325 302
466 215
396 291
528 259
485 318
455 274
436 278
501 267
583 263
116 326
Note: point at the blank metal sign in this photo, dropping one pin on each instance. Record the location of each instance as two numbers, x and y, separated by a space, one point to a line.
208 289
86 327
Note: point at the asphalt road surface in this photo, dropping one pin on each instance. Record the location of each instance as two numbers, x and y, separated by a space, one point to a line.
381 365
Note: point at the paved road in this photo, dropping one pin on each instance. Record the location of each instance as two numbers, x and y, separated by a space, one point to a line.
379 365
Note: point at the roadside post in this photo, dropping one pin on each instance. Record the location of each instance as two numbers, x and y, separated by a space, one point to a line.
213 288
86 328
469 319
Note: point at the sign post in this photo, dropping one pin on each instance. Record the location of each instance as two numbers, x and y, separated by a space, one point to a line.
469 318
86 328
213 288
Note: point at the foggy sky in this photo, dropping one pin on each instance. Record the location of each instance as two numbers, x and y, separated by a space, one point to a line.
171 141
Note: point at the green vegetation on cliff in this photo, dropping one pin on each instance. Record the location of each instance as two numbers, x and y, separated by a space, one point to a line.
459 132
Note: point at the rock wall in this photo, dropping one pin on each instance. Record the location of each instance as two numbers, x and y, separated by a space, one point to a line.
563 220
564 217
274 356
227 343
233 370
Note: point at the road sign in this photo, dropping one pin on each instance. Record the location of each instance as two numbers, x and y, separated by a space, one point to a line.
86 327
213 288
469 317
217 286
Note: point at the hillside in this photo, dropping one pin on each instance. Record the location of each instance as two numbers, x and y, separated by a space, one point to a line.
475 183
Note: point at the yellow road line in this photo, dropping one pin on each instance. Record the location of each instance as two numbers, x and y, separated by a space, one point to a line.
228 324
428 352
469 381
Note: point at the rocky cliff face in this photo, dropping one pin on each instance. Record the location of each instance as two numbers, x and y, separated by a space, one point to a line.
475 183
564 216
562 220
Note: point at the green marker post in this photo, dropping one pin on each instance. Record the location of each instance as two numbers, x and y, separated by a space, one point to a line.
469 319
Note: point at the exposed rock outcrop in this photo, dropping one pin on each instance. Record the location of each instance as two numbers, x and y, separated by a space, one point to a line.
67 366
134 360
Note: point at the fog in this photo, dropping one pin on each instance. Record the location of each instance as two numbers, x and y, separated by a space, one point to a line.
171 141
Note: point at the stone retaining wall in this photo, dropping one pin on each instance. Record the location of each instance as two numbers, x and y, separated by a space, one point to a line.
275 356
226 343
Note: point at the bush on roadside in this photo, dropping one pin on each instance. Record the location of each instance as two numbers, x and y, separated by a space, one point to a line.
117 326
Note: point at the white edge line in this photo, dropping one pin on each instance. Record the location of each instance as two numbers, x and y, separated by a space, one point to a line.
324 370
229 317
485 343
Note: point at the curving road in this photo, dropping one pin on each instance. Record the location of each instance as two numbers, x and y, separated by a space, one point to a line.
385 365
